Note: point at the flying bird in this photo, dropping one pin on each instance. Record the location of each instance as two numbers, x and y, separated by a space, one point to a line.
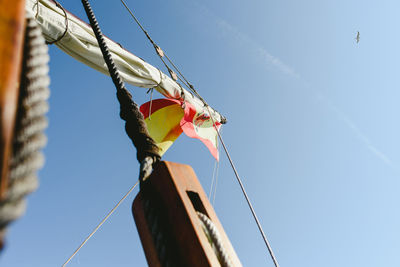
358 37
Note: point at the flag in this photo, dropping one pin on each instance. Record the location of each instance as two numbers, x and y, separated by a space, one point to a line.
170 117
198 124
163 117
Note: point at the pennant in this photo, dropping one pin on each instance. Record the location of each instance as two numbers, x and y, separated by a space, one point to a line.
170 117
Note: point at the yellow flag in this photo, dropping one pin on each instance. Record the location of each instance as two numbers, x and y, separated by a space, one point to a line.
163 117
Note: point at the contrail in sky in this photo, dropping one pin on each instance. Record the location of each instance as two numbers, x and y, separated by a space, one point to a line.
249 43
256 47
359 134
274 61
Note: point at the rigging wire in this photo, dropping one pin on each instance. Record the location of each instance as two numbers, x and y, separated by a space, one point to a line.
214 181
245 194
217 171
129 112
161 53
101 223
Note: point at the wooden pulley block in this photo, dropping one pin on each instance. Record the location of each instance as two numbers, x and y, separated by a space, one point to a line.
173 217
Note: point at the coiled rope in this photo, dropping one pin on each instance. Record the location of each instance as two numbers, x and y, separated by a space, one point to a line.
29 137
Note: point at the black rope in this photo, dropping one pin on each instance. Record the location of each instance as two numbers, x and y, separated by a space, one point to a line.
66 23
135 125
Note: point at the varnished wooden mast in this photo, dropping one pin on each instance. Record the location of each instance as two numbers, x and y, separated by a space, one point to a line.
12 26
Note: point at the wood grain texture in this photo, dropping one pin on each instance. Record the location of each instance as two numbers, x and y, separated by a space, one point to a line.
144 232
172 182
12 26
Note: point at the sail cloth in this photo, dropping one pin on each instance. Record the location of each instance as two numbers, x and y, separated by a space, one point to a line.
166 119
78 41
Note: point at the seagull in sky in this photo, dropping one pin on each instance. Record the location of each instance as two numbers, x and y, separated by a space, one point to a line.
358 37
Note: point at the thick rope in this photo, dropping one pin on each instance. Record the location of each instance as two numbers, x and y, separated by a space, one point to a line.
147 150
100 224
135 125
215 239
29 137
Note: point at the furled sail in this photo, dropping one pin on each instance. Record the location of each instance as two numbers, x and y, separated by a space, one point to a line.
77 39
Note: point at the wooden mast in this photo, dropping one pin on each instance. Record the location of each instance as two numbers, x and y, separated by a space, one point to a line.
12 27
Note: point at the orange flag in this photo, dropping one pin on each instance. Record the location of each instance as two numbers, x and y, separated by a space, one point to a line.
170 117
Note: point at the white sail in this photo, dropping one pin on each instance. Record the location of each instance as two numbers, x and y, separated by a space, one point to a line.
80 43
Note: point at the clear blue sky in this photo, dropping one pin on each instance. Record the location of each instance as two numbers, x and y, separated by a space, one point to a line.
313 129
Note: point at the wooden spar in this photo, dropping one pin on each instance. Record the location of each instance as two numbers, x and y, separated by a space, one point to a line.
12 26
165 212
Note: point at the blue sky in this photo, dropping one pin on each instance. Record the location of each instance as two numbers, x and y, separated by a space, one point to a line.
312 127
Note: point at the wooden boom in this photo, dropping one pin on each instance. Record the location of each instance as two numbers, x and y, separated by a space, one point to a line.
166 215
